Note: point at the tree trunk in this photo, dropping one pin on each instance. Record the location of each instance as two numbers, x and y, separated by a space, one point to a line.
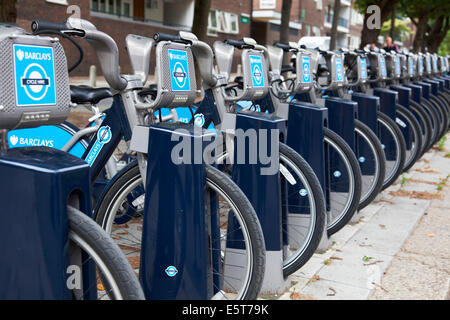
200 28
392 30
371 35
284 27
285 18
334 25
368 36
201 14
8 12
420 33
437 33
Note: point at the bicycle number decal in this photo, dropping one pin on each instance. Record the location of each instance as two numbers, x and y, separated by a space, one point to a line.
383 67
411 66
397 66
339 70
435 67
363 69
428 64
34 75
257 71
179 71
306 68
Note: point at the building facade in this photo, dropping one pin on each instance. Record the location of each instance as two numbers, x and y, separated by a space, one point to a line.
227 19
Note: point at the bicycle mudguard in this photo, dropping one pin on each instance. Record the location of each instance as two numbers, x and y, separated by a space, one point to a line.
55 137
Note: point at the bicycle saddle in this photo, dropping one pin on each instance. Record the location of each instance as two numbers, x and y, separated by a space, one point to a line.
152 91
86 94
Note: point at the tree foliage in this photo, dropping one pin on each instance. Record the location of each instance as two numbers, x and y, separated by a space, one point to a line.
402 30
432 21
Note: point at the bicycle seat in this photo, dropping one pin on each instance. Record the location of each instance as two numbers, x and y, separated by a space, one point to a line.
287 68
323 70
152 91
86 94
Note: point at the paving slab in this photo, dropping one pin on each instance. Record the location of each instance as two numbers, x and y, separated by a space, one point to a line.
398 247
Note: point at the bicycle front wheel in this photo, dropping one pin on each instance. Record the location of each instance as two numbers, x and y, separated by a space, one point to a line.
343 182
394 147
371 161
91 248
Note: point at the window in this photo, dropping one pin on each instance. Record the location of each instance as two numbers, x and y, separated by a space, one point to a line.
307 30
111 6
102 6
94 5
118 7
126 9
233 22
224 22
151 4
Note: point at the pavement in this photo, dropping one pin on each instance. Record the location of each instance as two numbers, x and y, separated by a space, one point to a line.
398 248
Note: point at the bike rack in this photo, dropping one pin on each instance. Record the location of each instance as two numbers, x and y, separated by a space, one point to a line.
368 107
388 101
265 193
404 94
307 140
175 255
35 260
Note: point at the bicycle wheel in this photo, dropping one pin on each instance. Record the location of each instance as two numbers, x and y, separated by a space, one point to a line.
115 279
343 184
425 125
443 112
439 125
371 161
303 207
394 146
410 128
222 194
429 110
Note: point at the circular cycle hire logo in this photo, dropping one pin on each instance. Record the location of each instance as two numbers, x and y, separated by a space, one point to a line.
104 135
35 81
171 271
306 72
179 74
257 74
199 120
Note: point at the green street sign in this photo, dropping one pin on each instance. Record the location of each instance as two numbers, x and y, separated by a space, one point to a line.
303 14
245 19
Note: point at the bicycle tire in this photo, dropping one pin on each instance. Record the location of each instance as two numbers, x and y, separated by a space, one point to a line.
370 138
85 232
350 160
302 256
425 125
400 148
414 126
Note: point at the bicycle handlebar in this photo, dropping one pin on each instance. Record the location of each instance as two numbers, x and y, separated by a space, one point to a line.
39 25
285 47
104 45
240 44
160 36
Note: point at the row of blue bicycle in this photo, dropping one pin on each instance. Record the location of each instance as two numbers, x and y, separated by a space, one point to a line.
166 195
